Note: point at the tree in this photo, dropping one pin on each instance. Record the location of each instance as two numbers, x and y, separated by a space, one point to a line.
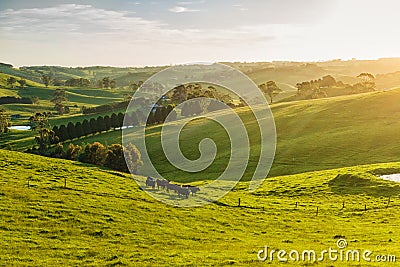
113 84
94 154
4 122
11 80
114 121
72 152
39 122
120 119
115 158
327 81
107 122
79 130
133 158
86 127
46 80
93 126
158 116
105 82
71 131
35 100
22 82
179 94
270 88
151 118
63 133
101 126
367 81
59 98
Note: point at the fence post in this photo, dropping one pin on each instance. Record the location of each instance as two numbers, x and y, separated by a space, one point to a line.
387 206
239 202
317 212
65 182
365 207
343 205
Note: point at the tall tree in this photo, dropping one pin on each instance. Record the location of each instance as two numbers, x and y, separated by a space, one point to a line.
86 127
4 122
46 80
79 130
133 158
11 80
71 131
40 123
59 99
367 81
93 126
270 88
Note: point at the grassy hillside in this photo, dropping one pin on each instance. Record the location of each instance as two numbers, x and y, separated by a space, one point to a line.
103 218
312 135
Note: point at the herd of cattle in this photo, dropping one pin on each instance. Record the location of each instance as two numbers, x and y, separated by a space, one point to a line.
183 190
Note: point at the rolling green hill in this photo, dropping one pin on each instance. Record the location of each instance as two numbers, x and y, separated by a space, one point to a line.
312 135
103 218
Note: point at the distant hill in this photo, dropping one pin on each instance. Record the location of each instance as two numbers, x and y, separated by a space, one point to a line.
286 74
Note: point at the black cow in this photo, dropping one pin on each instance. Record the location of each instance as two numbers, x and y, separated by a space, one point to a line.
184 191
151 182
161 183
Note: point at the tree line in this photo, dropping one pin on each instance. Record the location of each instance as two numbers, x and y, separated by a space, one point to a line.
318 88
105 108
88 127
15 100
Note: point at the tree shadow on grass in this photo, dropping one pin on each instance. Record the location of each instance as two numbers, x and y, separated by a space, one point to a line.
366 184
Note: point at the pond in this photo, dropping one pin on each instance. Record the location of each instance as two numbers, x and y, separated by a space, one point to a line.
20 127
391 177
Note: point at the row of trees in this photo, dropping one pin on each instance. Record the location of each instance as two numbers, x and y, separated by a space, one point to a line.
15 100
88 127
105 108
318 88
159 115
106 82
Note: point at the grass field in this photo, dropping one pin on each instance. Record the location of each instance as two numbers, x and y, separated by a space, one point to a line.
103 218
312 135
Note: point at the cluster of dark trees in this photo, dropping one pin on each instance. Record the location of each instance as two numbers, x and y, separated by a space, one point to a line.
318 88
88 127
15 100
114 157
106 82
105 108
159 115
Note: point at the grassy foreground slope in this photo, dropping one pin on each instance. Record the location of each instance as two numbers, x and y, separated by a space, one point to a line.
103 218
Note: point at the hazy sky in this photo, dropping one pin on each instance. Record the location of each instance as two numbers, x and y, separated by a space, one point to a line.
138 33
